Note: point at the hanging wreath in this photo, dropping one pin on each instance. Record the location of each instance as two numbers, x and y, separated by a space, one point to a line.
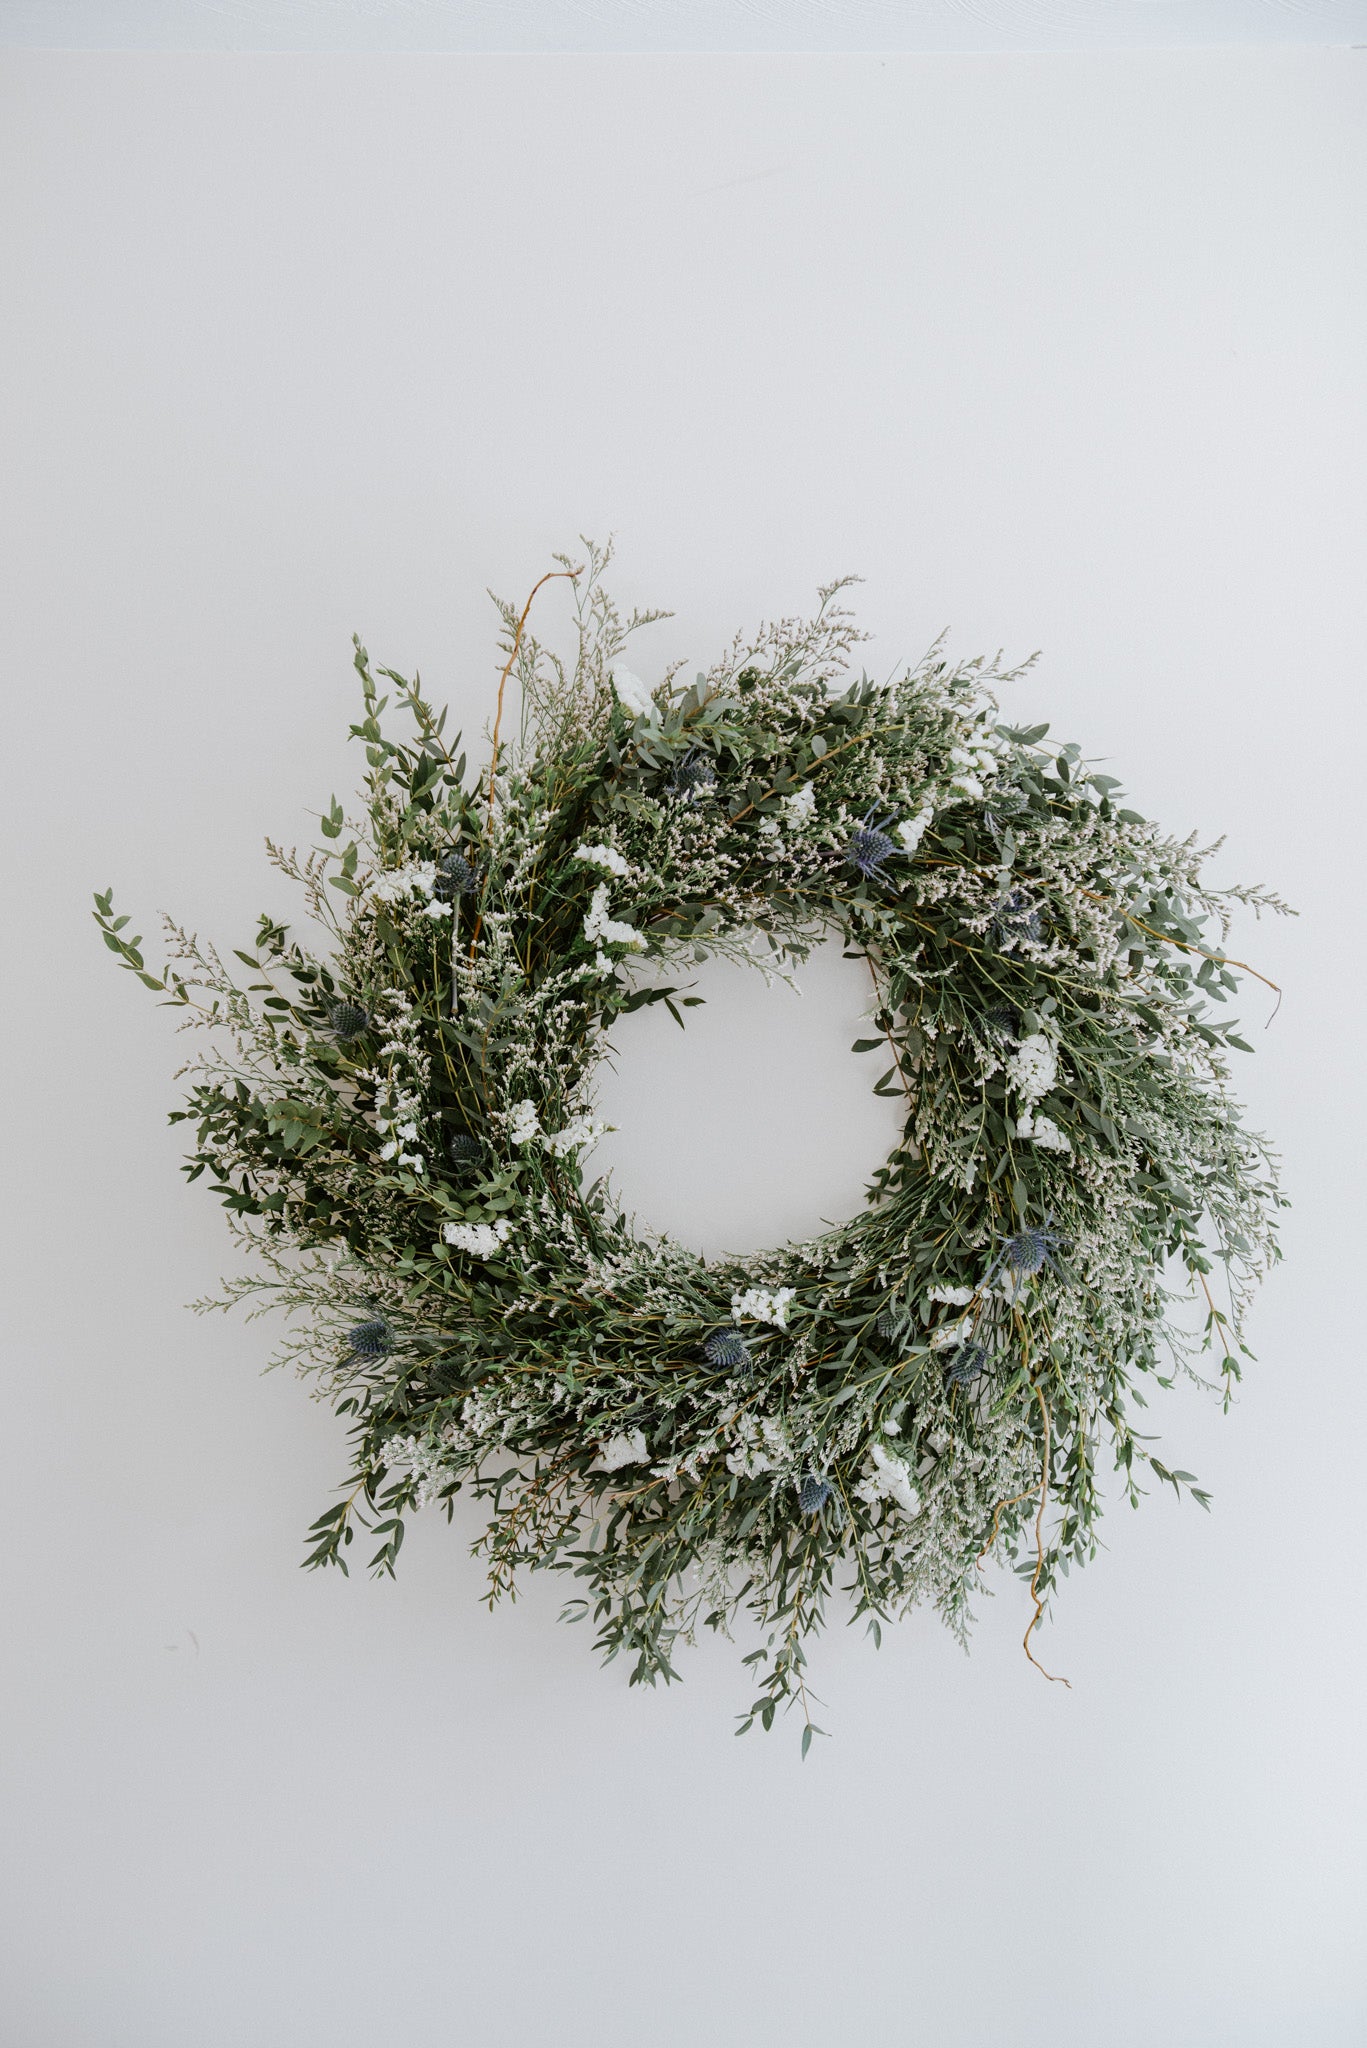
397 1124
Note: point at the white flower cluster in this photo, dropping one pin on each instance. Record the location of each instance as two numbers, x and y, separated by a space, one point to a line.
758 1444
421 1460
972 768
889 1478
580 1131
1033 1067
481 1240
523 1123
799 806
1044 1132
912 831
417 878
951 1297
632 694
605 857
398 1103
762 1307
600 929
628 1449
949 1334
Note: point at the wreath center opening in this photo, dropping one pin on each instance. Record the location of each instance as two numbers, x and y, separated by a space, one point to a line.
754 1125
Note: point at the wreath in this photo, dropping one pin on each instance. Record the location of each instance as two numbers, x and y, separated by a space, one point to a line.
397 1118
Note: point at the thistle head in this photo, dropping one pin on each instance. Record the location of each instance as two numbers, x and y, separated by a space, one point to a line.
728 1349
1002 1022
870 847
1030 1249
346 1021
455 877
1019 916
369 1340
889 1323
462 1149
694 772
813 1494
967 1364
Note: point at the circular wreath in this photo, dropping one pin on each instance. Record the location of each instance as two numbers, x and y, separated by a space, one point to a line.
397 1124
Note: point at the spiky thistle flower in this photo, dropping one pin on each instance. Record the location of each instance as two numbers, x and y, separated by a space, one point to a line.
455 877
870 847
1018 915
728 1349
813 1494
695 772
967 1364
346 1021
462 1149
1030 1249
370 1340
1002 1022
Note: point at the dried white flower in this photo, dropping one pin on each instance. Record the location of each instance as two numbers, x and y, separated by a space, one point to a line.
762 1307
523 1123
629 1449
911 831
632 693
605 857
600 929
799 806
1044 1132
1033 1067
482 1240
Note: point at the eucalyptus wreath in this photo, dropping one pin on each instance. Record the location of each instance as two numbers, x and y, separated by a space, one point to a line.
397 1114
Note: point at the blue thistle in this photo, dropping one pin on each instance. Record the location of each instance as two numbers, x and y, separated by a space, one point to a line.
1018 916
455 877
728 1349
1030 1250
813 1494
1002 1021
462 1149
346 1021
369 1340
870 847
967 1364
889 1323
694 772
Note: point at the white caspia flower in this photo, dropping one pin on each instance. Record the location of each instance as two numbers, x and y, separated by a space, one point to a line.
600 929
605 857
632 694
523 1123
911 831
481 1240
799 805
1044 1132
890 1479
630 1448
416 878
582 1130
762 1306
1033 1067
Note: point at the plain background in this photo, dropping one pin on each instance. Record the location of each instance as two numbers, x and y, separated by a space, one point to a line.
1060 352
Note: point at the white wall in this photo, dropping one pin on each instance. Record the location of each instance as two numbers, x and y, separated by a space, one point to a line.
1061 352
